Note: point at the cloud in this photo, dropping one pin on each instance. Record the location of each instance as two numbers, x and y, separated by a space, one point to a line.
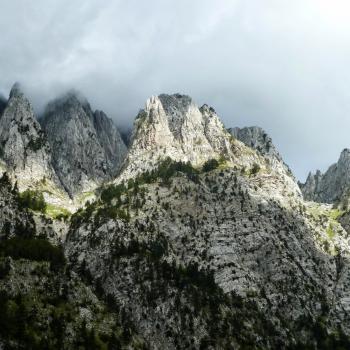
279 64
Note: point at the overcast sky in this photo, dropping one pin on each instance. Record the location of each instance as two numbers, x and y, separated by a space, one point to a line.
279 64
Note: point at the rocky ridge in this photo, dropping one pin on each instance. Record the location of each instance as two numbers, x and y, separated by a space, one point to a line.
174 126
256 138
87 147
24 147
24 150
331 187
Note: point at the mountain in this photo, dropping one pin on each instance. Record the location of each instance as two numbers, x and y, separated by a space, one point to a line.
201 241
194 243
87 147
23 145
174 126
229 242
331 187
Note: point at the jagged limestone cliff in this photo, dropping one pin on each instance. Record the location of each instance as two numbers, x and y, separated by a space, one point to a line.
331 187
174 126
256 138
87 147
23 145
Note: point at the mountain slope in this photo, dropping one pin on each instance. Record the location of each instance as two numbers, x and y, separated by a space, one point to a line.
43 304
222 239
221 256
87 147
111 141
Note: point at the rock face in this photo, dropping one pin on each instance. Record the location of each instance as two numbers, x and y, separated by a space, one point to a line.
256 138
331 187
3 103
87 147
174 126
111 141
13 219
23 145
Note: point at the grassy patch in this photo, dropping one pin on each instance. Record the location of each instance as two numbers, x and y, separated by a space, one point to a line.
330 231
56 211
335 214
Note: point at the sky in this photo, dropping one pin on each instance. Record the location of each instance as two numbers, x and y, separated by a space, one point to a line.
279 64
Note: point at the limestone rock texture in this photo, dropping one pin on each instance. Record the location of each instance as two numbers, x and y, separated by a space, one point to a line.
86 146
331 187
257 138
13 219
23 145
174 126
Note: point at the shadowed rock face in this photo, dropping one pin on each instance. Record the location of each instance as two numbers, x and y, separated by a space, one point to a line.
110 140
3 103
24 147
331 187
256 138
87 147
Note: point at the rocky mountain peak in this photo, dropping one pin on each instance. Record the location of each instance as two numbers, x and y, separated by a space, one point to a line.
344 156
87 147
24 147
174 126
72 100
16 90
331 187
